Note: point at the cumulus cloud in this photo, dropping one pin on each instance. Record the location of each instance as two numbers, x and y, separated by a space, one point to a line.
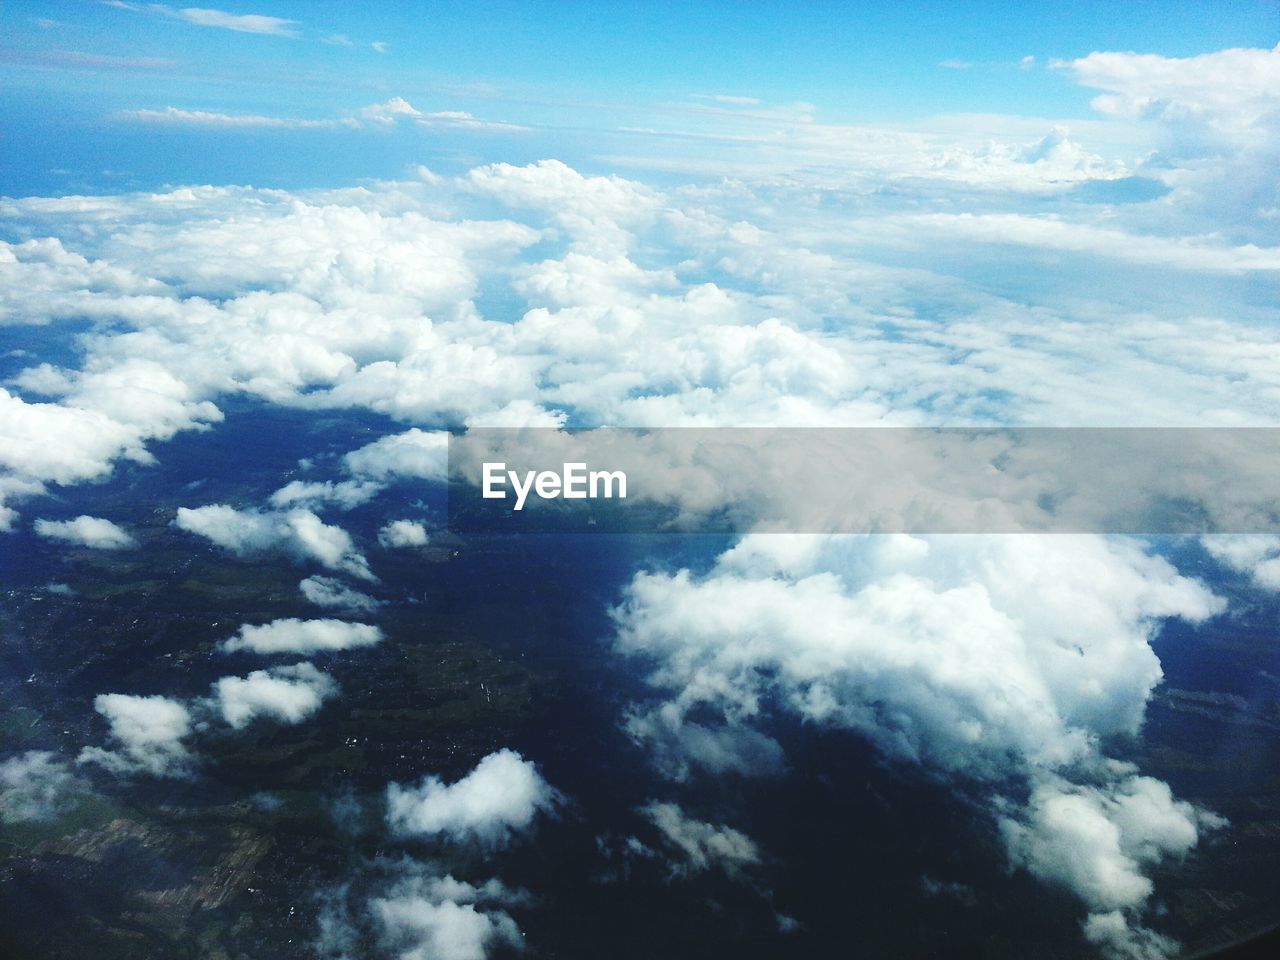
287 694
418 910
298 532
87 531
415 455
700 846
1096 841
403 533
1257 555
985 658
292 635
37 785
330 592
345 495
148 732
499 798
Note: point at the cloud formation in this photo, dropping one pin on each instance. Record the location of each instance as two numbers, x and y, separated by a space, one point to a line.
149 733
986 658
292 635
403 533
297 532
86 531
699 846
37 785
331 592
287 694
499 798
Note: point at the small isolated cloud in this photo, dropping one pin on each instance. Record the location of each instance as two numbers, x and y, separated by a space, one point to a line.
204 17
953 64
700 846
729 100
149 733
429 914
415 455
37 785
338 40
344 495
387 113
1097 842
292 635
206 118
87 531
331 592
288 694
497 799
297 532
1258 555
403 533
380 46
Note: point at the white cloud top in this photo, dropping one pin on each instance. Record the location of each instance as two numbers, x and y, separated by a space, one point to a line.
87 531
298 532
292 635
149 732
500 797
287 694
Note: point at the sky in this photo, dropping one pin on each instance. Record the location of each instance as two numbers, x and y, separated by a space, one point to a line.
452 216
583 82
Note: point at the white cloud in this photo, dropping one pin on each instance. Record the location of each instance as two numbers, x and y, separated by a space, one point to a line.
345 495
427 915
239 22
298 532
414 454
330 592
700 846
288 694
1257 555
87 531
500 797
149 732
37 785
403 533
292 635
1097 841
206 118
988 658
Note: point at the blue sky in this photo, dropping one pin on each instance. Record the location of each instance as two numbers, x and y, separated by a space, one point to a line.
572 72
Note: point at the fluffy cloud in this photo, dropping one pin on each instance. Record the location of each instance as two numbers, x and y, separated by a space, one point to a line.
87 531
298 532
418 911
414 454
344 495
986 658
497 799
330 592
1257 555
428 915
288 694
37 785
148 731
1096 841
403 533
292 635
700 846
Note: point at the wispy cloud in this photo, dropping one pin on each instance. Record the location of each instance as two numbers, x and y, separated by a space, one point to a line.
206 17
727 99
174 115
